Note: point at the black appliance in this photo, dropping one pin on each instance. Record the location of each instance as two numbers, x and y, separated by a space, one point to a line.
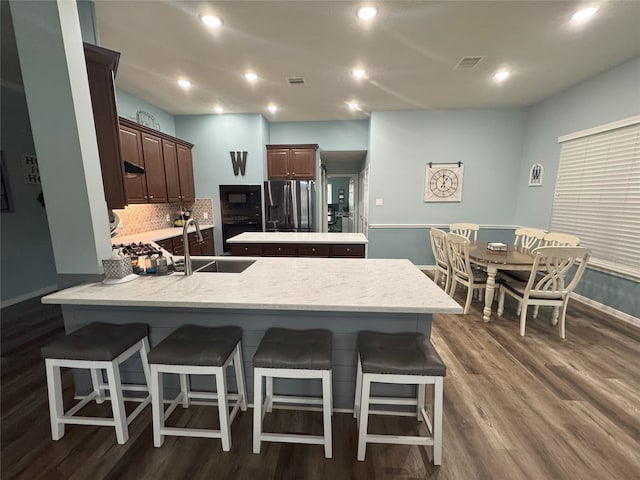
241 210
289 205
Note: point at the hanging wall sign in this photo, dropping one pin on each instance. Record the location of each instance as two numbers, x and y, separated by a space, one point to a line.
443 182
535 175
30 169
239 162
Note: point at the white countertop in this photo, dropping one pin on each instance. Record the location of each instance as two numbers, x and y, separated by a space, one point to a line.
299 237
153 235
317 284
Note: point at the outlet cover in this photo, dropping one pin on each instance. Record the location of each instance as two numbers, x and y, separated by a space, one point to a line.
205 215
168 217
379 202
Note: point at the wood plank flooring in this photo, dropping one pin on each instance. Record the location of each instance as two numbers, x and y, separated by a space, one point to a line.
535 407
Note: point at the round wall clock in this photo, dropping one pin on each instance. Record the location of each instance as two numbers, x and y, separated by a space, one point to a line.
443 183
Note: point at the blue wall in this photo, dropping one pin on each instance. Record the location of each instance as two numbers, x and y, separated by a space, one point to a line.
128 106
338 135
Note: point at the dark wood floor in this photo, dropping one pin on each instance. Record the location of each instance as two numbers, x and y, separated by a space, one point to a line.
515 408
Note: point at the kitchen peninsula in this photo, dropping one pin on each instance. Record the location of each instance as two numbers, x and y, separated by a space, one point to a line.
342 295
299 244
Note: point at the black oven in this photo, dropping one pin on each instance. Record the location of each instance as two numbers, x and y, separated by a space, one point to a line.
241 210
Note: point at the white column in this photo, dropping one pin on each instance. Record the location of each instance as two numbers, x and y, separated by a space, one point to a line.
54 74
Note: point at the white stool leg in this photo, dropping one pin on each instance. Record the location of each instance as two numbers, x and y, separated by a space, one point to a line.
364 417
157 405
420 401
269 394
185 390
56 406
117 403
326 412
96 377
358 394
223 409
239 368
437 421
144 353
257 410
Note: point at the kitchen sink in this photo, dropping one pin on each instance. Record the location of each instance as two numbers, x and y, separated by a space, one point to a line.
221 266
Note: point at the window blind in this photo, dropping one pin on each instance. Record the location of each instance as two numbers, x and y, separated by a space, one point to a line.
597 196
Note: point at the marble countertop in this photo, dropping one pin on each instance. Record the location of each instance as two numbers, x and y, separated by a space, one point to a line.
153 235
315 284
299 237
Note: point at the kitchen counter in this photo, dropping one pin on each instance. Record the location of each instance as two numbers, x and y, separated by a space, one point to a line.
344 296
153 235
299 237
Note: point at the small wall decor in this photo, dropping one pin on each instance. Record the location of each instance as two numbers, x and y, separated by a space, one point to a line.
443 182
341 195
148 120
239 162
535 175
30 169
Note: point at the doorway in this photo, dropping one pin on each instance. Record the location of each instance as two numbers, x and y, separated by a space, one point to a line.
342 203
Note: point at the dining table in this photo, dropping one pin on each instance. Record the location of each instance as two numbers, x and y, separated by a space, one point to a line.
515 258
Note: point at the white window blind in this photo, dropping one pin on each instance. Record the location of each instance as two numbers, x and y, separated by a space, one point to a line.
597 195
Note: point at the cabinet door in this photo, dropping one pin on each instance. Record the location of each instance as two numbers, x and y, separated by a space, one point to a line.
244 249
311 250
185 174
170 156
302 164
178 245
130 140
195 247
167 244
278 164
207 243
154 168
349 251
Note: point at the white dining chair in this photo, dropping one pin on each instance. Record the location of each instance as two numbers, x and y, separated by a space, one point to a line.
555 239
461 271
439 249
548 283
467 230
529 237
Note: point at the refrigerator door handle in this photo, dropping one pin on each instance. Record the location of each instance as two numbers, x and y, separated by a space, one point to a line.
295 207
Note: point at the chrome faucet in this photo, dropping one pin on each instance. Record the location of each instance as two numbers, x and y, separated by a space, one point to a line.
188 269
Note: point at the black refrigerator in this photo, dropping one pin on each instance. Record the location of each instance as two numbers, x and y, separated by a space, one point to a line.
289 205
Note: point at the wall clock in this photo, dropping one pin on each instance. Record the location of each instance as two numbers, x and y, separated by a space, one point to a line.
443 183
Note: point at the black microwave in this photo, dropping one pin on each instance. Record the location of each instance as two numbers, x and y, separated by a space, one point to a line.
235 197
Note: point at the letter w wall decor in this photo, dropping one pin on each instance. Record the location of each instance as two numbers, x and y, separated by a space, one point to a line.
239 162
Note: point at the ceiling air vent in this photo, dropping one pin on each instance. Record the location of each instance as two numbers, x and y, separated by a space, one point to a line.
467 63
296 81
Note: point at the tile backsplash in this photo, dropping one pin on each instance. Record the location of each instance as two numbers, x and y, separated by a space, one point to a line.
153 216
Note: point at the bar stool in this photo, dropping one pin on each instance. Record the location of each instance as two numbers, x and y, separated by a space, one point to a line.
285 353
196 350
399 358
97 347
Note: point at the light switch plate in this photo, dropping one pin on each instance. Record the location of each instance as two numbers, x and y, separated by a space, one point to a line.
205 215
379 202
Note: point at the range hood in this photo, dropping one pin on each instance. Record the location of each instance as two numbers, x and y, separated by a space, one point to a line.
132 168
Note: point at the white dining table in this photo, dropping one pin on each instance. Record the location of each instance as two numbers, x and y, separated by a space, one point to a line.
515 258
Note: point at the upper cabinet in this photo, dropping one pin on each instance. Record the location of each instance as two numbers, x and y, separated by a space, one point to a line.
101 69
167 162
291 162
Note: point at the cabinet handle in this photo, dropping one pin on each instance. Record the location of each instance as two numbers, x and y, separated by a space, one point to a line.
313 249
150 196
348 249
146 196
279 249
246 249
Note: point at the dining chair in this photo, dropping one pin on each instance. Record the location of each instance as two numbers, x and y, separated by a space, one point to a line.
461 270
439 249
529 237
549 283
554 239
465 229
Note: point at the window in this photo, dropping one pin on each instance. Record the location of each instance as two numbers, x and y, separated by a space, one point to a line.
597 195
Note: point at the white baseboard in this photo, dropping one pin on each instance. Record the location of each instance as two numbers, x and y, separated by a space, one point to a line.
28 296
625 317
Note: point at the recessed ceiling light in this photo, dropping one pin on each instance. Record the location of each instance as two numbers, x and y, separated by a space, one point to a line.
367 13
210 20
272 108
184 83
252 77
358 72
218 109
584 14
501 75
353 106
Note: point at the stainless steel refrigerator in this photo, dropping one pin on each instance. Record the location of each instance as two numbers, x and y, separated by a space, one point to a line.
289 205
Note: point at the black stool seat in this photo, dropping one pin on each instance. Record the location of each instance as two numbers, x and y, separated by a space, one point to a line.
303 349
197 345
97 341
399 353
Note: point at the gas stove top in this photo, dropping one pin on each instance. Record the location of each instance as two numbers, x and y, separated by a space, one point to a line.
137 249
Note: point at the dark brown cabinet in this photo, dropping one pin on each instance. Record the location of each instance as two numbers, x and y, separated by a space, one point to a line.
351 250
101 69
175 245
291 162
167 162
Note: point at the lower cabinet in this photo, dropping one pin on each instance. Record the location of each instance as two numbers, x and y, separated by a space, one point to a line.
298 250
175 245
